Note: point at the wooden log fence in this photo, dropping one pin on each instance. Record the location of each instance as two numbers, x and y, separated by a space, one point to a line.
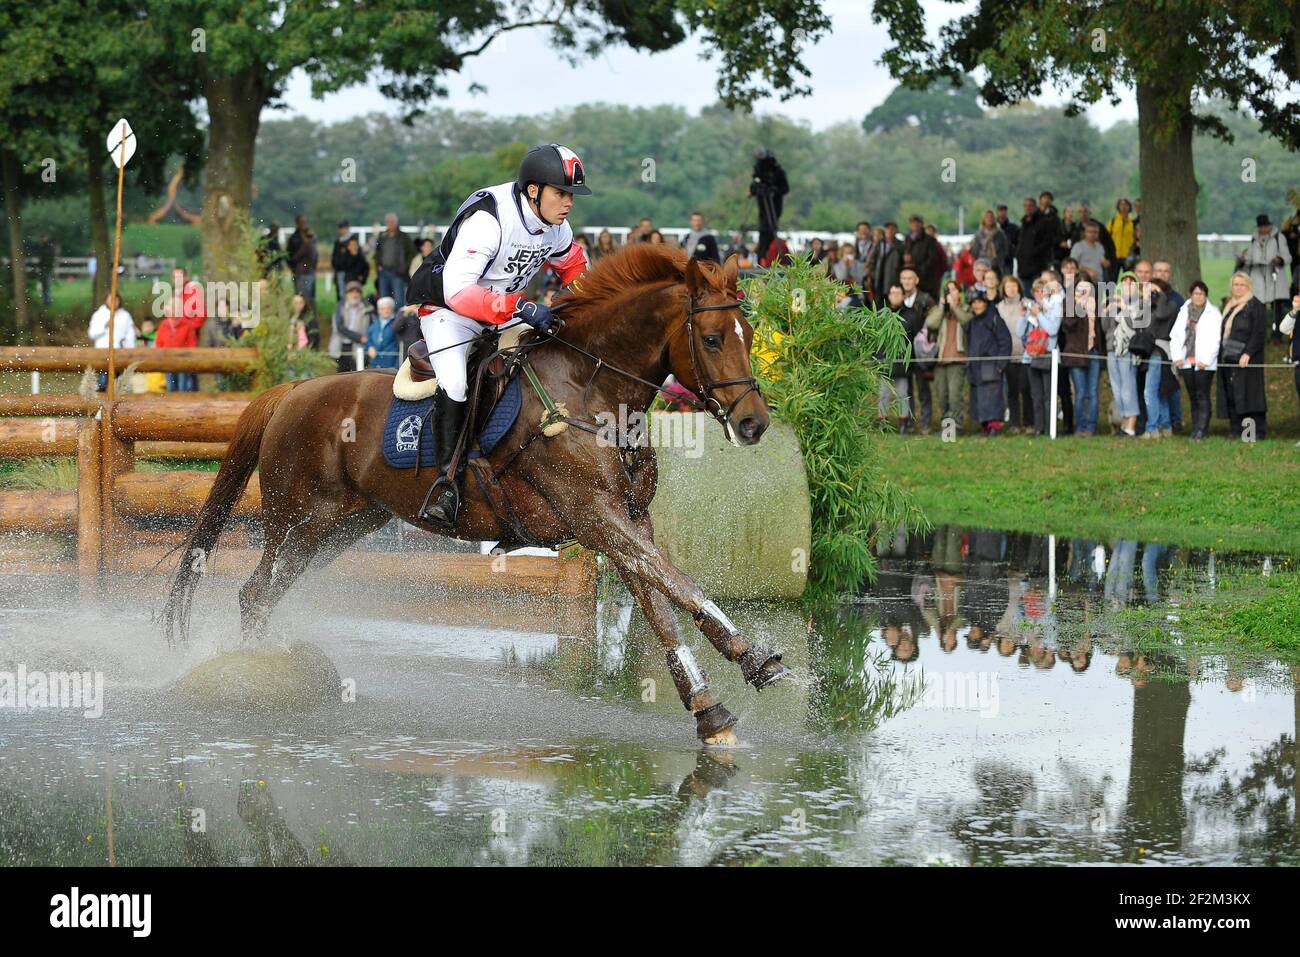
113 497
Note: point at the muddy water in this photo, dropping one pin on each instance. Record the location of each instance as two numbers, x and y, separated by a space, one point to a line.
966 709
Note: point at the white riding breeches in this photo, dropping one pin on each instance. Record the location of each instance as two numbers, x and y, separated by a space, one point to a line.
449 336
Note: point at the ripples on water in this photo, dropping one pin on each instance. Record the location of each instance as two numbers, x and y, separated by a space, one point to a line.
971 707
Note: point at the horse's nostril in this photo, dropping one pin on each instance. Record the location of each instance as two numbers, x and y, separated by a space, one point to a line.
749 427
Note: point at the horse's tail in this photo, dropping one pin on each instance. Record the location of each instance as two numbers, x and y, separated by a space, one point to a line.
236 469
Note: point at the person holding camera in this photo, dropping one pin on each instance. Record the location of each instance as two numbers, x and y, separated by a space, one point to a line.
1265 261
1037 330
768 185
947 321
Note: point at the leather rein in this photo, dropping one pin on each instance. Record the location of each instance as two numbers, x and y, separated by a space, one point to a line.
710 403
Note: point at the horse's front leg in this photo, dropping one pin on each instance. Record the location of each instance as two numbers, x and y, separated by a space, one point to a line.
713 722
629 544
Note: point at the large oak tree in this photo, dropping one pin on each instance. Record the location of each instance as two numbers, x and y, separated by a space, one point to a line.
68 70
242 53
1174 55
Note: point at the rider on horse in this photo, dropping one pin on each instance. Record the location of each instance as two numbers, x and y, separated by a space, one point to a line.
495 245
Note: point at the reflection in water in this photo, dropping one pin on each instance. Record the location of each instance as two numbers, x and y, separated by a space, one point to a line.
1155 814
973 706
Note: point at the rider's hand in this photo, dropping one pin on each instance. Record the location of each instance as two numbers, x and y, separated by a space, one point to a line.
535 314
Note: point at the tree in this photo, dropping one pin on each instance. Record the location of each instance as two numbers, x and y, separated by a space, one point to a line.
70 70
935 110
11 176
441 188
1092 49
128 74
243 55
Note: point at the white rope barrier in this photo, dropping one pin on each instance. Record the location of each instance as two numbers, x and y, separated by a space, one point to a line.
1019 360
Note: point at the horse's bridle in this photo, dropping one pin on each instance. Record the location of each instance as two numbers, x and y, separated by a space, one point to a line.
711 404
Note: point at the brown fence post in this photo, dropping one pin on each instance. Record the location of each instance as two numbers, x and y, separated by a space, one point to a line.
118 458
89 502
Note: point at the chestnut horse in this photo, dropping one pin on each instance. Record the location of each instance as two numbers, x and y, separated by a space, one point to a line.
638 315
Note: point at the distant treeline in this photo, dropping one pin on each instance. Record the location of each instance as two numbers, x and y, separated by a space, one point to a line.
664 162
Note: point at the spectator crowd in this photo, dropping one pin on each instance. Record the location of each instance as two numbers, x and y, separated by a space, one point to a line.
982 321
985 326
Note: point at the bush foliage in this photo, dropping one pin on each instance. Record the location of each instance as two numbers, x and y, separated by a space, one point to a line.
821 365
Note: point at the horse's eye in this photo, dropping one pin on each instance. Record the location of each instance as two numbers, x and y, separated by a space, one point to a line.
713 342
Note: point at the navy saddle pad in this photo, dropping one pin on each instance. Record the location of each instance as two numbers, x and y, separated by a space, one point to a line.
407 432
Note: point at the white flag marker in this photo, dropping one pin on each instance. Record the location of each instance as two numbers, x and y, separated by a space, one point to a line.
121 147
121 133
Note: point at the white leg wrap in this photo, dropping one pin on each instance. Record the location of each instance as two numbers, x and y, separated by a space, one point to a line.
686 671
714 612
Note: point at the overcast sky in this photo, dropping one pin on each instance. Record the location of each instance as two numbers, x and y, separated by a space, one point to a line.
522 75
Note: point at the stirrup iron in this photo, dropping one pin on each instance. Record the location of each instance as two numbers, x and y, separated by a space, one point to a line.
435 491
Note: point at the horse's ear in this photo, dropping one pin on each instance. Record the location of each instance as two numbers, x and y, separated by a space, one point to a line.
694 278
731 271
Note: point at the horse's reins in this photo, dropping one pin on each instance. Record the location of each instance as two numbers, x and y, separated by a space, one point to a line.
750 383
710 404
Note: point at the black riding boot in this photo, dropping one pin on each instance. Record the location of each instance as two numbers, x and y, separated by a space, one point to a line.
443 500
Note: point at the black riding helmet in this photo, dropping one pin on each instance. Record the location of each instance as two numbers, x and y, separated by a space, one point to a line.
553 165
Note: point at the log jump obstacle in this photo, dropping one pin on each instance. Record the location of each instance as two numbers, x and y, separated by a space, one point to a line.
114 502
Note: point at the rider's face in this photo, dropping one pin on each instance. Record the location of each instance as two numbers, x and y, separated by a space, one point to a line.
554 204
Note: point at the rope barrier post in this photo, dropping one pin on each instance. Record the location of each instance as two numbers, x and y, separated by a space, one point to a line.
1056 371
1051 569
358 358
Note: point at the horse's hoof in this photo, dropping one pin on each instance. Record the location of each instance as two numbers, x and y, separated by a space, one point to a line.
761 667
771 673
713 725
723 739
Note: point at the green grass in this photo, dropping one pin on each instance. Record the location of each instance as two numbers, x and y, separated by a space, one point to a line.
1216 274
60 474
1211 494
179 241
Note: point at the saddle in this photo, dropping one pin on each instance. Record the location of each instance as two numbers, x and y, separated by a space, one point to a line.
494 401
487 374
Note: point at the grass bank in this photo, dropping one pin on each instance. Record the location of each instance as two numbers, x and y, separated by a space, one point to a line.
1213 494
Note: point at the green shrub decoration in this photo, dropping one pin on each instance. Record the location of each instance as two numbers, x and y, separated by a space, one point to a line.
820 367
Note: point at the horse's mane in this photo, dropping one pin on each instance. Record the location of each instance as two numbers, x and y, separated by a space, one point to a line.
633 265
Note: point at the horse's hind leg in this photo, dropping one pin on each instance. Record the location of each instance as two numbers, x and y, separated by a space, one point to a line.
323 533
354 527
713 722
289 549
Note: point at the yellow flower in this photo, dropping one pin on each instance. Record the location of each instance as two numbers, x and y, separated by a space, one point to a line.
767 351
